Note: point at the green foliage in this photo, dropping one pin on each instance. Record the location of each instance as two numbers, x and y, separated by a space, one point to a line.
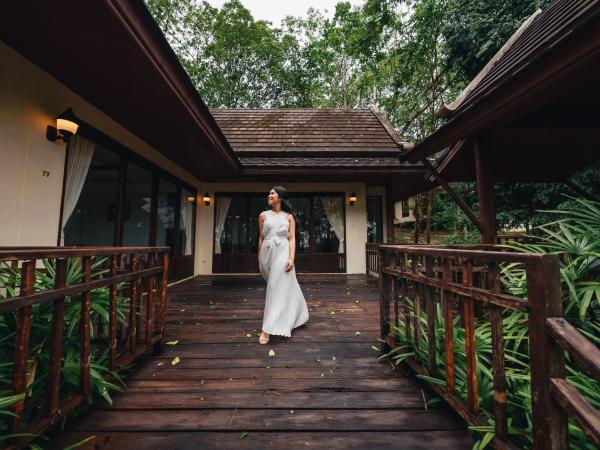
575 234
103 380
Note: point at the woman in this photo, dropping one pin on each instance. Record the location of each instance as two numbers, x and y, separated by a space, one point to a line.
285 307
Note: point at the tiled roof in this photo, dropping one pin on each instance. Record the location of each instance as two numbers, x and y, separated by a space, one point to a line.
381 161
314 132
545 31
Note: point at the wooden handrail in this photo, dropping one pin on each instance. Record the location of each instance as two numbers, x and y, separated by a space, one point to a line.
466 282
125 273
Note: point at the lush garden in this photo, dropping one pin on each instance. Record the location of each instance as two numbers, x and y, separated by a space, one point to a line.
575 234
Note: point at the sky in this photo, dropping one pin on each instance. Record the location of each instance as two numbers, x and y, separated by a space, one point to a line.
275 10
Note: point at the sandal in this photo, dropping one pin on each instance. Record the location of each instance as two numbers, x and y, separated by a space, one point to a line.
263 340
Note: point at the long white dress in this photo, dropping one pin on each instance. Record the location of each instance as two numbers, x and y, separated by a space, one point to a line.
285 306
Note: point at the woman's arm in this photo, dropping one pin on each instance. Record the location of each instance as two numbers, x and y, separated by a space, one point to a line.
261 219
292 241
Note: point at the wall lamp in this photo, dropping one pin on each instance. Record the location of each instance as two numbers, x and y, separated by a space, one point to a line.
66 126
191 199
353 198
206 199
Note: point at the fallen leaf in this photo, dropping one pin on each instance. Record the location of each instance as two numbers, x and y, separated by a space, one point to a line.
333 358
271 353
182 310
172 342
202 381
159 364
248 335
211 302
357 333
243 434
291 411
318 359
332 313
230 379
175 361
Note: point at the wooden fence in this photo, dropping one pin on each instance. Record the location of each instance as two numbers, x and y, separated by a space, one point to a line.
136 283
416 280
372 258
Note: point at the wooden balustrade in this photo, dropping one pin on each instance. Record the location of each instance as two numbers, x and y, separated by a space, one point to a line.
372 258
135 280
465 286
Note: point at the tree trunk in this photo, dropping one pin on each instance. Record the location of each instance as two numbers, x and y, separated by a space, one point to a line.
430 200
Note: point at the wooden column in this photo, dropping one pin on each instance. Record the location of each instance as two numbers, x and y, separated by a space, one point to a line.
485 190
389 214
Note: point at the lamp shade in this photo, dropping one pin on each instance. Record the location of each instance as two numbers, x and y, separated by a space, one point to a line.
66 122
353 198
206 199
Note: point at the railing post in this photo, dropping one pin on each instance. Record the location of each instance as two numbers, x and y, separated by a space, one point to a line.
112 314
159 346
55 354
547 358
84 328
384 301
23 328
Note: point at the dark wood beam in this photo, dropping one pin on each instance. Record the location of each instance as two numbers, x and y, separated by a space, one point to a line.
459 201
485 189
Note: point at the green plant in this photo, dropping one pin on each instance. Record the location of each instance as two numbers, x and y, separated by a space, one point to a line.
103 380
575 235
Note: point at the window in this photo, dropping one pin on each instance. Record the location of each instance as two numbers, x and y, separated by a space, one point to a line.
92 222
405 208
165 209
186 223
114 197
137 206
321 223
375 219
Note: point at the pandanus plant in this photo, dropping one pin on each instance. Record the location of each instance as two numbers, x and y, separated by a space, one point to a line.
575 235
102 379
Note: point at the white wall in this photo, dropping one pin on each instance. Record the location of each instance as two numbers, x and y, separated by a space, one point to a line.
30 99
356 219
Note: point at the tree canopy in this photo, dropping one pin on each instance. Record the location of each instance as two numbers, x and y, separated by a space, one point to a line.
406 57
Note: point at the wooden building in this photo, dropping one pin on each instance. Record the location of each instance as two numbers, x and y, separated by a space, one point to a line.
151 165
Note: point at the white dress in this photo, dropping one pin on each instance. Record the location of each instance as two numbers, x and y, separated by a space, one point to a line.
285 306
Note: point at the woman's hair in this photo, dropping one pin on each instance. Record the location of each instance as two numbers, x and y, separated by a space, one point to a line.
285 203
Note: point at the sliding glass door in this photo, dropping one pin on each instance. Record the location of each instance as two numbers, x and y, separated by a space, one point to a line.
320 234
112 197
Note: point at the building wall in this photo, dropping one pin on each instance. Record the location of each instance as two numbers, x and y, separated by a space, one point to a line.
31 173
398 206
356 219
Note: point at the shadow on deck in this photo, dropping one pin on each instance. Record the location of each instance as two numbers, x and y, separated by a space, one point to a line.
324 388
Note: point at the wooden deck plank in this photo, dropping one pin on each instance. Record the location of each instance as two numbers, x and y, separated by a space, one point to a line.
347 440
341 394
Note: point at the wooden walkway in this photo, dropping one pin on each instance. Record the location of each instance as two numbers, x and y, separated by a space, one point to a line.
324 388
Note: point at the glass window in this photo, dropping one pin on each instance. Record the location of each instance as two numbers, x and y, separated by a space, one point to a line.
186 222
233 236
258 204
93 219
405 208
165 221
302 207
136 209
328 217
374 220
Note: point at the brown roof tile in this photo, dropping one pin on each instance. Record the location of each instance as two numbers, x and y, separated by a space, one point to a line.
314 132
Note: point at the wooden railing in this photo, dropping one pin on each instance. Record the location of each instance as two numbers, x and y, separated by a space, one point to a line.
132 280
372 258
465 286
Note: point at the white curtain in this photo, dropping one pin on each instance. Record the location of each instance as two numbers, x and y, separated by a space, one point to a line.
187 220
222 210
81 152
334 210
